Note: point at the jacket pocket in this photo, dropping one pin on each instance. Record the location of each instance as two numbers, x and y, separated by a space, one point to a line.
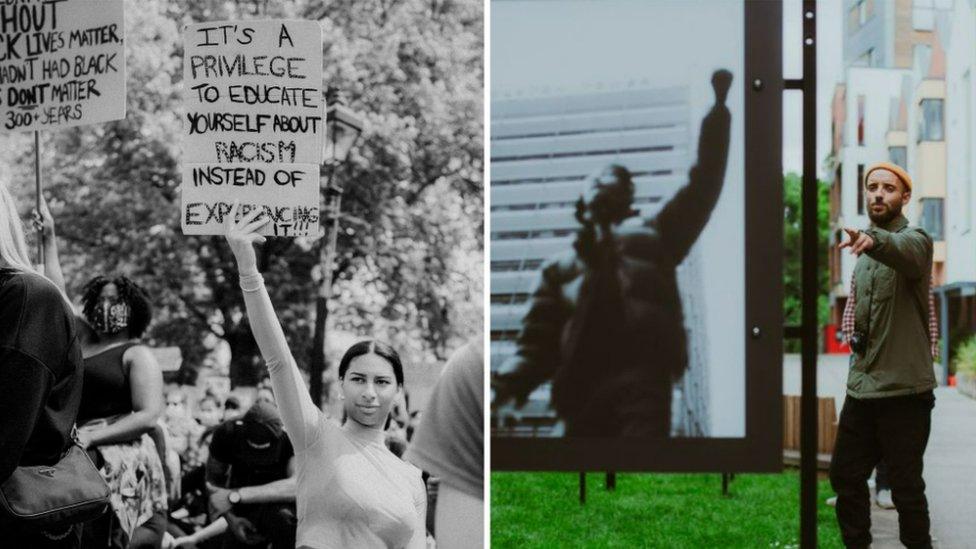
885 282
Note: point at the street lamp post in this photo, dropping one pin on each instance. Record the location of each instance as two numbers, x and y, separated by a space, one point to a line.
343 127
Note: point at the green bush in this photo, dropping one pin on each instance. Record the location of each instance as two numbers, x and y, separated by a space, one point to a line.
965 360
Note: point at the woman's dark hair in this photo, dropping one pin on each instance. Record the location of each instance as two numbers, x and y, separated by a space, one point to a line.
135 297
377 348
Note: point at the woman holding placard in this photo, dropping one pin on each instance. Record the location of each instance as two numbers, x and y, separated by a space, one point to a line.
121 401
352 490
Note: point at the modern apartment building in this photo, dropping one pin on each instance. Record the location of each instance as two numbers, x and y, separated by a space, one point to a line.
542 151
958 291
889 107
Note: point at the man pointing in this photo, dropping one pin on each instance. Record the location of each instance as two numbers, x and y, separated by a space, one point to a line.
887 412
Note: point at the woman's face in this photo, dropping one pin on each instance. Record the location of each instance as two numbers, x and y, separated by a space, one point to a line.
111 314
369 389
175 405
209 414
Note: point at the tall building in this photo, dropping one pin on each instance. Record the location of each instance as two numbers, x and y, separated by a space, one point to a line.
958 292
889 107
542 151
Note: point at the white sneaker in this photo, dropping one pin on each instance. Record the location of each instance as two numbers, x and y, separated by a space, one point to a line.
831 501
883 499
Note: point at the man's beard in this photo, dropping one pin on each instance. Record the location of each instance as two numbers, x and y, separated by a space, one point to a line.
884 217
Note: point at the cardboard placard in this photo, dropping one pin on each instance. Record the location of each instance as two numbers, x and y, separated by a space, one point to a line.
253 129
62 63
288 193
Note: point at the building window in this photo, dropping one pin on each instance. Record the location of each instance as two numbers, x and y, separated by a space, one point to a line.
932 218
860 120
930 121
860 189
967 167
899 156
923 15
860 13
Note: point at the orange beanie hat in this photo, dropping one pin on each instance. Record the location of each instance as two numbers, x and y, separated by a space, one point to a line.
893 168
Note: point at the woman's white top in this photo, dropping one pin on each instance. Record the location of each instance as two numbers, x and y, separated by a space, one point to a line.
352 491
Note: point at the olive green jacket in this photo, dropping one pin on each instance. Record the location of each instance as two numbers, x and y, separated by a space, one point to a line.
892 280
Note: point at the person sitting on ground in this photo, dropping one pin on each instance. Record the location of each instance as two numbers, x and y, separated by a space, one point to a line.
250 475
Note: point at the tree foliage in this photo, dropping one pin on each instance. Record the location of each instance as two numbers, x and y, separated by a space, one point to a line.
408 271
793 253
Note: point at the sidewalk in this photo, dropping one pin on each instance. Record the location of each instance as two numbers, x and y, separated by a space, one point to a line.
950 459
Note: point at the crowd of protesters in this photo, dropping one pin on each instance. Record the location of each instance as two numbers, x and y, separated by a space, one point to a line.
206 471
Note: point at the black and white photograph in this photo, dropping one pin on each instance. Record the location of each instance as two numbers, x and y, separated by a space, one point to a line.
241 274
619 190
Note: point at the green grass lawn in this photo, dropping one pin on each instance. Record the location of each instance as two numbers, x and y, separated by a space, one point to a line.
653 510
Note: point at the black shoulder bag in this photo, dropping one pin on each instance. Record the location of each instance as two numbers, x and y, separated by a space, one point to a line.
54 496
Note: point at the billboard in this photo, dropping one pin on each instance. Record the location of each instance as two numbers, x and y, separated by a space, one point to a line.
636 236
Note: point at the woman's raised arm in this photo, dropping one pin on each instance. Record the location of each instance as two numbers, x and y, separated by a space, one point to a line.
298 413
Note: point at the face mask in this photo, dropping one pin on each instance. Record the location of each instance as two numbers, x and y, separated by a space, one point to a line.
110 317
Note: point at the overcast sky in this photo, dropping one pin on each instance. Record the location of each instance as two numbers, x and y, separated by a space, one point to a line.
524 46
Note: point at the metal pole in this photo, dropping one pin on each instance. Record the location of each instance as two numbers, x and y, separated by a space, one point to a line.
327 252
611 481
582 488
37 189
808 398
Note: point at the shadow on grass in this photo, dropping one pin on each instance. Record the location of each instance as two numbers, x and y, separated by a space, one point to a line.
653 510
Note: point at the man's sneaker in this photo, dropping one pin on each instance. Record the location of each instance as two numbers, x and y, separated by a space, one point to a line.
831 501
883 499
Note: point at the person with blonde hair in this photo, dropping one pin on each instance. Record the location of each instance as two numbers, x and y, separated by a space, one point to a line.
40 374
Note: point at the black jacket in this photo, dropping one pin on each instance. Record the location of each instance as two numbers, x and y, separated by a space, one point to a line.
40 371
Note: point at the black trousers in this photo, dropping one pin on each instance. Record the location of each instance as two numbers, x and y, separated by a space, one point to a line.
896 430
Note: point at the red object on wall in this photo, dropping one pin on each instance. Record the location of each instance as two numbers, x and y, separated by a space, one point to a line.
833 343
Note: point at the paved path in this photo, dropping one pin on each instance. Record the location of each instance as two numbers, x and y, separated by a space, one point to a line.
950 459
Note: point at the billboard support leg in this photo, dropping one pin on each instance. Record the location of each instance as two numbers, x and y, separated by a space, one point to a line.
582 488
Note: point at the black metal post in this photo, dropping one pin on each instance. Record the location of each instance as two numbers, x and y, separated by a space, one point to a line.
808 395
725 484
329 216
611 481
582 488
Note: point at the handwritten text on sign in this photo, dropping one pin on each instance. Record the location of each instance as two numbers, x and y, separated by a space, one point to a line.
62 63
283 192
254 117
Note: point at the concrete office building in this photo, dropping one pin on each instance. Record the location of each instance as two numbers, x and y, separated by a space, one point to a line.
542 150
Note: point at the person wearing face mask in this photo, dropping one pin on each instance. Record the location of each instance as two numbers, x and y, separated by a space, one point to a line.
121 402
352 490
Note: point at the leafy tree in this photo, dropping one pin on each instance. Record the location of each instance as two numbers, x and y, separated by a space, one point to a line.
793 253
409 271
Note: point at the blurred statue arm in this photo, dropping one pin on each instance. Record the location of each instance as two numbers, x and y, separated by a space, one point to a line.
684 217
537 354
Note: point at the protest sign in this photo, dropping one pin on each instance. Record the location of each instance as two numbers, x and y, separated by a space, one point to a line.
62 63
253 127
